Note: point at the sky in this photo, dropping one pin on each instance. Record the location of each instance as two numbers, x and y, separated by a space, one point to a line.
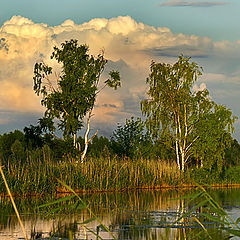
132 34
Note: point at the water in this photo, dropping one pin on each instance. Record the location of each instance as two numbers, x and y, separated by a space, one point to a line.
129 215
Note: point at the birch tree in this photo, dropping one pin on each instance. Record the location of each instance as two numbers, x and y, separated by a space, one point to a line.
174 107
71 94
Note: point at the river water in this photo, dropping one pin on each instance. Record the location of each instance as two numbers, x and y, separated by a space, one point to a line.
141 214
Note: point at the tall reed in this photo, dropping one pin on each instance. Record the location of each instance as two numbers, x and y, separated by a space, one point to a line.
12 201
37 174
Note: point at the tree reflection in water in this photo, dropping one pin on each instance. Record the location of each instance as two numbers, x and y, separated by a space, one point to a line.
129 215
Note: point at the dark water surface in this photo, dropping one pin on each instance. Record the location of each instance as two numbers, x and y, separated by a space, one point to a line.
129 215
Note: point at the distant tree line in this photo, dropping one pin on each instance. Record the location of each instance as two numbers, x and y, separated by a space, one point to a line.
129 140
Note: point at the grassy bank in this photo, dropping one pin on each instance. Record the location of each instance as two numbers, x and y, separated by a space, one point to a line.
39 174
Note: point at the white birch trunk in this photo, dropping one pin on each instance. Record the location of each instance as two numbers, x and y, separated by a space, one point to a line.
74 140
180 141
177 153
201 163
86 139
176 144
183 161
185 138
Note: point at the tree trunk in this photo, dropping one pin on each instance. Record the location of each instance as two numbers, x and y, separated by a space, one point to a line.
176 144
74 140
86 139
201 163
177 153
183 161
197 161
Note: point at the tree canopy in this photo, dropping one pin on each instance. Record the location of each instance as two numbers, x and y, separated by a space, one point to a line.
74 92
130 139
195 122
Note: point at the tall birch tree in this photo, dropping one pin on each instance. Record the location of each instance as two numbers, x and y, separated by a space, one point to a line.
72 94
175 108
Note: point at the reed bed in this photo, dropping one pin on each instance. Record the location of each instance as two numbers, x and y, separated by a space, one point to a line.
39 172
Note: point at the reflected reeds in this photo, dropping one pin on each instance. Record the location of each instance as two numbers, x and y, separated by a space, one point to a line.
129 215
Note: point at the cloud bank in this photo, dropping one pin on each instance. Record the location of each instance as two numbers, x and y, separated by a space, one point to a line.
129 46
180 3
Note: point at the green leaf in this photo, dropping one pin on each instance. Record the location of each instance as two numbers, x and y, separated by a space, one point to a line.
233 231
57 201
238 220
78 206
213 218
53 211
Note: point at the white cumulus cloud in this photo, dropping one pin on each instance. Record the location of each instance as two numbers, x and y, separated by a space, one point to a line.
129 46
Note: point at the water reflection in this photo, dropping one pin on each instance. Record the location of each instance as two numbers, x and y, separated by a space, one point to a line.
129 215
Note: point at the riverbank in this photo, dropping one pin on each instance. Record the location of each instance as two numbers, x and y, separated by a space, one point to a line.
39 177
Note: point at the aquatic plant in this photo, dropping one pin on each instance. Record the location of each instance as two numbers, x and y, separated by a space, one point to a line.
13 202
209 211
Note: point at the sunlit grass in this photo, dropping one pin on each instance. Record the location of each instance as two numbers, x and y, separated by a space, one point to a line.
37 174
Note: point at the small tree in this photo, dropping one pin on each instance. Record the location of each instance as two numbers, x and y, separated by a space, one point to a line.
33 137
17 150
100 147
73 95
213 131
173 107
129 139
233 154
6 142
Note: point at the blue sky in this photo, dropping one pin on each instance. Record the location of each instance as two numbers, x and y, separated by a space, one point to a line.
218 20
132 32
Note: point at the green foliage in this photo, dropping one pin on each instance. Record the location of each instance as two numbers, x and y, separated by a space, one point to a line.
213 131
232 175
37 174
198 127
7 140
74 93
17 150
207 176
46 125
99 146
169 90
129 139
171 103
33 136
232 154
114 80
38 171
61 149
163 148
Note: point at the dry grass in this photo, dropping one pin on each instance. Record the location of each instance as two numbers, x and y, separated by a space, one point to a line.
39 174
